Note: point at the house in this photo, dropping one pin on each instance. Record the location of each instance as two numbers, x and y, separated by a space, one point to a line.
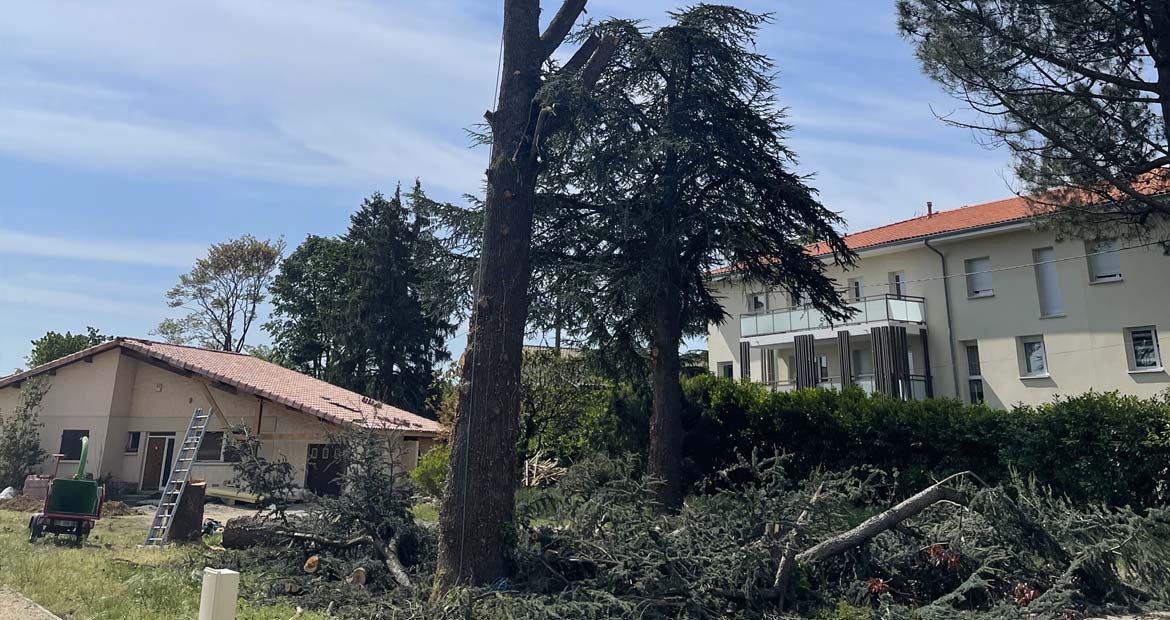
977 303
134 398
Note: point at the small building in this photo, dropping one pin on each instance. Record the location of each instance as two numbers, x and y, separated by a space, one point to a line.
134 399
978 303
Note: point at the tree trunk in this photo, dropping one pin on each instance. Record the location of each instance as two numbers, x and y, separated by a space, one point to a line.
479 500
665 459
246 532
188 518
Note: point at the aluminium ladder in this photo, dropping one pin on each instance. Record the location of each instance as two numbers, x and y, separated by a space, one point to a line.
177 483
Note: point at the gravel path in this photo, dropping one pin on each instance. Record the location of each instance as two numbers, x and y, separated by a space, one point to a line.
13 606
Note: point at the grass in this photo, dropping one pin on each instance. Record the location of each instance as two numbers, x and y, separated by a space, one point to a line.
110 578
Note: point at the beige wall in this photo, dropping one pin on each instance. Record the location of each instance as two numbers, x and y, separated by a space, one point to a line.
115 395
1085 348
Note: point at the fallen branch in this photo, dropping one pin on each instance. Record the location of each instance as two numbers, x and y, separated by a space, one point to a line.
883 521
788 560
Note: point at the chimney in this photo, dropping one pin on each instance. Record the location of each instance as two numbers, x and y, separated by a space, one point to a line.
929 209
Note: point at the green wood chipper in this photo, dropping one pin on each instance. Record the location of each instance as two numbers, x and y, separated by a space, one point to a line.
72 505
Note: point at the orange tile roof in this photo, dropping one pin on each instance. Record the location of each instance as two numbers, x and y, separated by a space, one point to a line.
256 376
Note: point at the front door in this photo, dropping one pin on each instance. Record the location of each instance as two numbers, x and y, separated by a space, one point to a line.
322 469
157 466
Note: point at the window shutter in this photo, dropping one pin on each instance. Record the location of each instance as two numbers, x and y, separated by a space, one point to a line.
745 366
1047 282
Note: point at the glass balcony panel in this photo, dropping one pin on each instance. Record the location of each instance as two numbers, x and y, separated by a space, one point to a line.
747 325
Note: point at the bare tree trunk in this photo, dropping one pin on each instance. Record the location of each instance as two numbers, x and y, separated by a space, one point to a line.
665 458
479 502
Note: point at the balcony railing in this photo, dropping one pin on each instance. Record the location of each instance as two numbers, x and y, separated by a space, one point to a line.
878 308
865 382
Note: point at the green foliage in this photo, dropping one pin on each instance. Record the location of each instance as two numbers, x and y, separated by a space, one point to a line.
20 436
371 310
561 399
270 480
430 475
221 294
1093 448
54 346
1074 88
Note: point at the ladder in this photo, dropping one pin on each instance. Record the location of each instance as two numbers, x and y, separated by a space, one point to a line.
173 491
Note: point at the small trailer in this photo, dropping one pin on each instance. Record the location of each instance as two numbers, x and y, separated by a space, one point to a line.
72 505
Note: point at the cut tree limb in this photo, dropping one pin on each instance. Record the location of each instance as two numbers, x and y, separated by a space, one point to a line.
788 560
883 521
560 25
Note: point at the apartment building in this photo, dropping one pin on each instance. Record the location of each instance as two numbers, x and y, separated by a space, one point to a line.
977 303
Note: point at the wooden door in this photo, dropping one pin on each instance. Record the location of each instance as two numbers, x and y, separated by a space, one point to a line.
322 469
156 461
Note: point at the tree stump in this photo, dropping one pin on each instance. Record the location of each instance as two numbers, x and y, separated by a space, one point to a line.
187 523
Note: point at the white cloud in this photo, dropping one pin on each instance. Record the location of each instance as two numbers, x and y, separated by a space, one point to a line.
115 251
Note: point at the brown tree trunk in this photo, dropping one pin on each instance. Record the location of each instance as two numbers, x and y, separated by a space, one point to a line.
188 518
665 458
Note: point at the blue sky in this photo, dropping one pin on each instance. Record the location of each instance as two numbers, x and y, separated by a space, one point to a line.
133 134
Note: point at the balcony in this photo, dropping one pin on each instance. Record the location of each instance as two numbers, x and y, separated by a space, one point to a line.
875 309
916 391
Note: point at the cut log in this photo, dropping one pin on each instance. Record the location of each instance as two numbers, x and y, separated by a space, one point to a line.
247 532
187 523
881 522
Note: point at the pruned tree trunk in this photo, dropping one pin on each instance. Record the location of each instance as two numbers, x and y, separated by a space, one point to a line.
247 532
666 436
187 525
479 501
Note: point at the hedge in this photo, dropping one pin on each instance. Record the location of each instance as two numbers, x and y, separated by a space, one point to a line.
1096 447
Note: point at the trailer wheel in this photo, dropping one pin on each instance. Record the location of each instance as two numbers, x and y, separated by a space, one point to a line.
35 530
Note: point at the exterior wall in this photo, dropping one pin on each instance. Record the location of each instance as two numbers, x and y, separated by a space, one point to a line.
116 395
1085 347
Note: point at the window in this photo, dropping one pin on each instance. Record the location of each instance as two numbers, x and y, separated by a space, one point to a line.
1104 260
862 363
978 277
758 302
1047 282
856 289
133 440
215 447
770 366
801 299
822 368
898 283
71 444
974 373
1034 361
1142 349
726 370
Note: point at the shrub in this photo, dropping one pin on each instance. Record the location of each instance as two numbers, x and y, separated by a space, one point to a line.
1092 448
20 437
430 475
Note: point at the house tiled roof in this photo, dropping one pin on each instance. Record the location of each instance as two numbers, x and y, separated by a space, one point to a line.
974 216
256 376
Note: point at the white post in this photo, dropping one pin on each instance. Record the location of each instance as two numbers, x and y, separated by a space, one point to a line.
218 600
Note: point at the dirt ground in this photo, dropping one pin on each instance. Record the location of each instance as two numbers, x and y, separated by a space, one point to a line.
13 606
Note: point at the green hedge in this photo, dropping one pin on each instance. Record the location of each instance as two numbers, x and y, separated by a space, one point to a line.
1093 448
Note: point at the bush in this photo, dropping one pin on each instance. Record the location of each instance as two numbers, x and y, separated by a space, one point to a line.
1092 448
20 437
430 475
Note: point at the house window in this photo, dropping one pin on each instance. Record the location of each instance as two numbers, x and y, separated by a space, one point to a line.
801 299
726 369
862 363
216 448
1034 361
71 444
1141 344
758 302
1104 260
974 373
898 283
978 277
133 440
1047 282
856 289
770 365
822 368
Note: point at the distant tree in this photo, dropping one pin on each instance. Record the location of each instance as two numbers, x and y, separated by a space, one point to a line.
371 310
310 301
222 293
677 165
20 436
1078 90
559 394
54 346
